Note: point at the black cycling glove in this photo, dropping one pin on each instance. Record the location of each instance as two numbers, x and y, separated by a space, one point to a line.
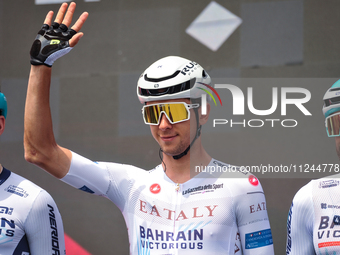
51 43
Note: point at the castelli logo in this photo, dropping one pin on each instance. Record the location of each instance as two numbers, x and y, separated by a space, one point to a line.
155 188
253 180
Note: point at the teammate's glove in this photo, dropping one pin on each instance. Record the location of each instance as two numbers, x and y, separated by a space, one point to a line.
51 43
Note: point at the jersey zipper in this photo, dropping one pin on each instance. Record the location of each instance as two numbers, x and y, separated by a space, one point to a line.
177 204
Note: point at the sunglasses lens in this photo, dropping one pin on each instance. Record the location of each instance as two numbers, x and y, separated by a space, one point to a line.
174 112
151 114
333 125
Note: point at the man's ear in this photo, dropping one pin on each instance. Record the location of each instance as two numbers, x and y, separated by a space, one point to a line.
204 118
2 124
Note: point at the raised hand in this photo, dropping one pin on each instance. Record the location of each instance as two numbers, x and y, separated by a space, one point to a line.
54 40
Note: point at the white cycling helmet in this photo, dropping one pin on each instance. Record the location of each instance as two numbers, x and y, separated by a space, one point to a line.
171 78
331 100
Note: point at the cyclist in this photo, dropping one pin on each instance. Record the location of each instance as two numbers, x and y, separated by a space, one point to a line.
313 225
166 210
30 222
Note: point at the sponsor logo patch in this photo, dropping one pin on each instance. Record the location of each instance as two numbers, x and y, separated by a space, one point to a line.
17 191
328 184
155 188
258 239
253 180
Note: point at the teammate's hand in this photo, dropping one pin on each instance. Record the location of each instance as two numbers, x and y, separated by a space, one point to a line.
54 40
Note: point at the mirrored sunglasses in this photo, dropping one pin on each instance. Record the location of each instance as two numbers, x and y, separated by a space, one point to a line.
333 125
175 112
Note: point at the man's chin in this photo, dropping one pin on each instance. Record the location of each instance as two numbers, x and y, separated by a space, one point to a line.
172 152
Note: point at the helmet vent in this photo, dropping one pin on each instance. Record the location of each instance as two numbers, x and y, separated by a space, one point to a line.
161 79
331 101
335 89
169 90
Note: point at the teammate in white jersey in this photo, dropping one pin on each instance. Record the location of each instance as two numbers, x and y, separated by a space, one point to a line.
30 222
166 209
313 225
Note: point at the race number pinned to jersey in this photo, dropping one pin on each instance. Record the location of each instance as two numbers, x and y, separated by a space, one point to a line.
155 188
258 239
336 220
253 180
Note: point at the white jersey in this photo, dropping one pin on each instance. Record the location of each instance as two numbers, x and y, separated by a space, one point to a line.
30 223
201 216
313 225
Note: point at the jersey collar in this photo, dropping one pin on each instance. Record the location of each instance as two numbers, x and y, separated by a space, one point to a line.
4 175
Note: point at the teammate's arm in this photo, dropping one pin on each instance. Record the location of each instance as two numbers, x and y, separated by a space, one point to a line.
44 227
253 222
39 142
300 224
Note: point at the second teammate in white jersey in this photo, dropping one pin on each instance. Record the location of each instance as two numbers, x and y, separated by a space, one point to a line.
170 209
313 225
30 222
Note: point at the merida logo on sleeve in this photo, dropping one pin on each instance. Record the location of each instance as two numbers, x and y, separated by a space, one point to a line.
54 232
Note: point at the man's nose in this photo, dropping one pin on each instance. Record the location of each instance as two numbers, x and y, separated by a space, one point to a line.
164 123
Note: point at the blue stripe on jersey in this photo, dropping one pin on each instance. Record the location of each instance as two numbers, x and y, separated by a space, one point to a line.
22 247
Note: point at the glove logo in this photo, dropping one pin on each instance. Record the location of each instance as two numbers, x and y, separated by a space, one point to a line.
55 42
51 43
